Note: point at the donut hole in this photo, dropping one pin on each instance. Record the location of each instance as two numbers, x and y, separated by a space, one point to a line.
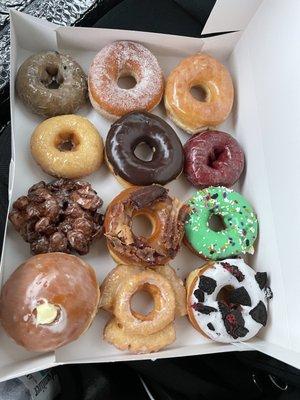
142 226
55 320
199 93
144 152
66 141
52 78
215 155
126 81
216 223
141 303
224 293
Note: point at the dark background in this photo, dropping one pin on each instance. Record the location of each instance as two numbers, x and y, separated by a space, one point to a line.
240 375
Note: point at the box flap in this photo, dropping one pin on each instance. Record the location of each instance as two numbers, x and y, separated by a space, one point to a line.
230 15
266 69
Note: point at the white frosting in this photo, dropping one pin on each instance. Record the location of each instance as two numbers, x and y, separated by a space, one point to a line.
224 278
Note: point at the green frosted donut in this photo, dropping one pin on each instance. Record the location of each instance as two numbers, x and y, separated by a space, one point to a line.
239 219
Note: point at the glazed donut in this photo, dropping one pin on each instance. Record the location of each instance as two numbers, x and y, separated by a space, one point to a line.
213 158
124 58
140 127
115 334
190 114
239 219
50 83
235 314
49 301
166 214
122 272
67 146
163 312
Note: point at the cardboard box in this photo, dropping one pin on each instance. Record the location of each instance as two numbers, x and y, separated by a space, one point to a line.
263 59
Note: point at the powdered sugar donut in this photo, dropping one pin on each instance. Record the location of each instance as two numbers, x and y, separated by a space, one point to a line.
124 58
227 300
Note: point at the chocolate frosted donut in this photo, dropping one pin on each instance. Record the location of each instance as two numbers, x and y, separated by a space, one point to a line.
142 127
51 84
213 158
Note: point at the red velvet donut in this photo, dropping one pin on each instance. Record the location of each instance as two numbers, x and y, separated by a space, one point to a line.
213 158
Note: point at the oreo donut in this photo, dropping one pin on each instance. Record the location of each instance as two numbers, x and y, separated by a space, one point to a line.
227 300
50 84
213 158
132 130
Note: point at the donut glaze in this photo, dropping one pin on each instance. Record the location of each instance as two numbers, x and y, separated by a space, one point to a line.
238 217
213 158
237 316
124 58
141 127
59 279
213 77
51 84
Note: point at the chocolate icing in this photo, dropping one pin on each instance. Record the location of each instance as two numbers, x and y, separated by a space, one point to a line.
138 127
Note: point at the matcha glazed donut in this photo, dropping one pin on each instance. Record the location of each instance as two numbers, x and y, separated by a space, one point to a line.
240 224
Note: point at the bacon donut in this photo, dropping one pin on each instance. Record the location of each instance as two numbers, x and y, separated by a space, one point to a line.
166 214
49 301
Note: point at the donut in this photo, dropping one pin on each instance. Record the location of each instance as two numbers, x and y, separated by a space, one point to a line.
166 214
213 158
122 272
49 301
67 146
190 114
115 334
227 300
141 127
119 59
163 312
50 83
239 219
60 216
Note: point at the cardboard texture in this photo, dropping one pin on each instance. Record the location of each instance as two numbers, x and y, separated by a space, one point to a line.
265 122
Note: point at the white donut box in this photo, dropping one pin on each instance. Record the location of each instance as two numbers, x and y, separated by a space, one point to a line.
263 56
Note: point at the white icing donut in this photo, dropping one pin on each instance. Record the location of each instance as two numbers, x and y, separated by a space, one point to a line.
240 315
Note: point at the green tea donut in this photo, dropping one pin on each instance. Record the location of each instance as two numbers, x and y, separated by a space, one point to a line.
239 219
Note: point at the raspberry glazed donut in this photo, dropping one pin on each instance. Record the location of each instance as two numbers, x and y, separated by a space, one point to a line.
50 83
119 59
240 224
227 300
67 146
166 214
49 301
190 114
213 158
115 334
124 137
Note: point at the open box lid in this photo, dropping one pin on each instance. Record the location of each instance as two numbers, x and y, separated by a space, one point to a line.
265 122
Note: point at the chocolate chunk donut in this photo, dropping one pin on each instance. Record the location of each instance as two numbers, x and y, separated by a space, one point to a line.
63 216
51 84
142 127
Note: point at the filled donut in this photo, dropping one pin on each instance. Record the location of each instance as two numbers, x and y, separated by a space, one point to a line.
213 158
166 214
49 301
239 230
133 129
50 83
227 300
119 59
67 146
190 114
